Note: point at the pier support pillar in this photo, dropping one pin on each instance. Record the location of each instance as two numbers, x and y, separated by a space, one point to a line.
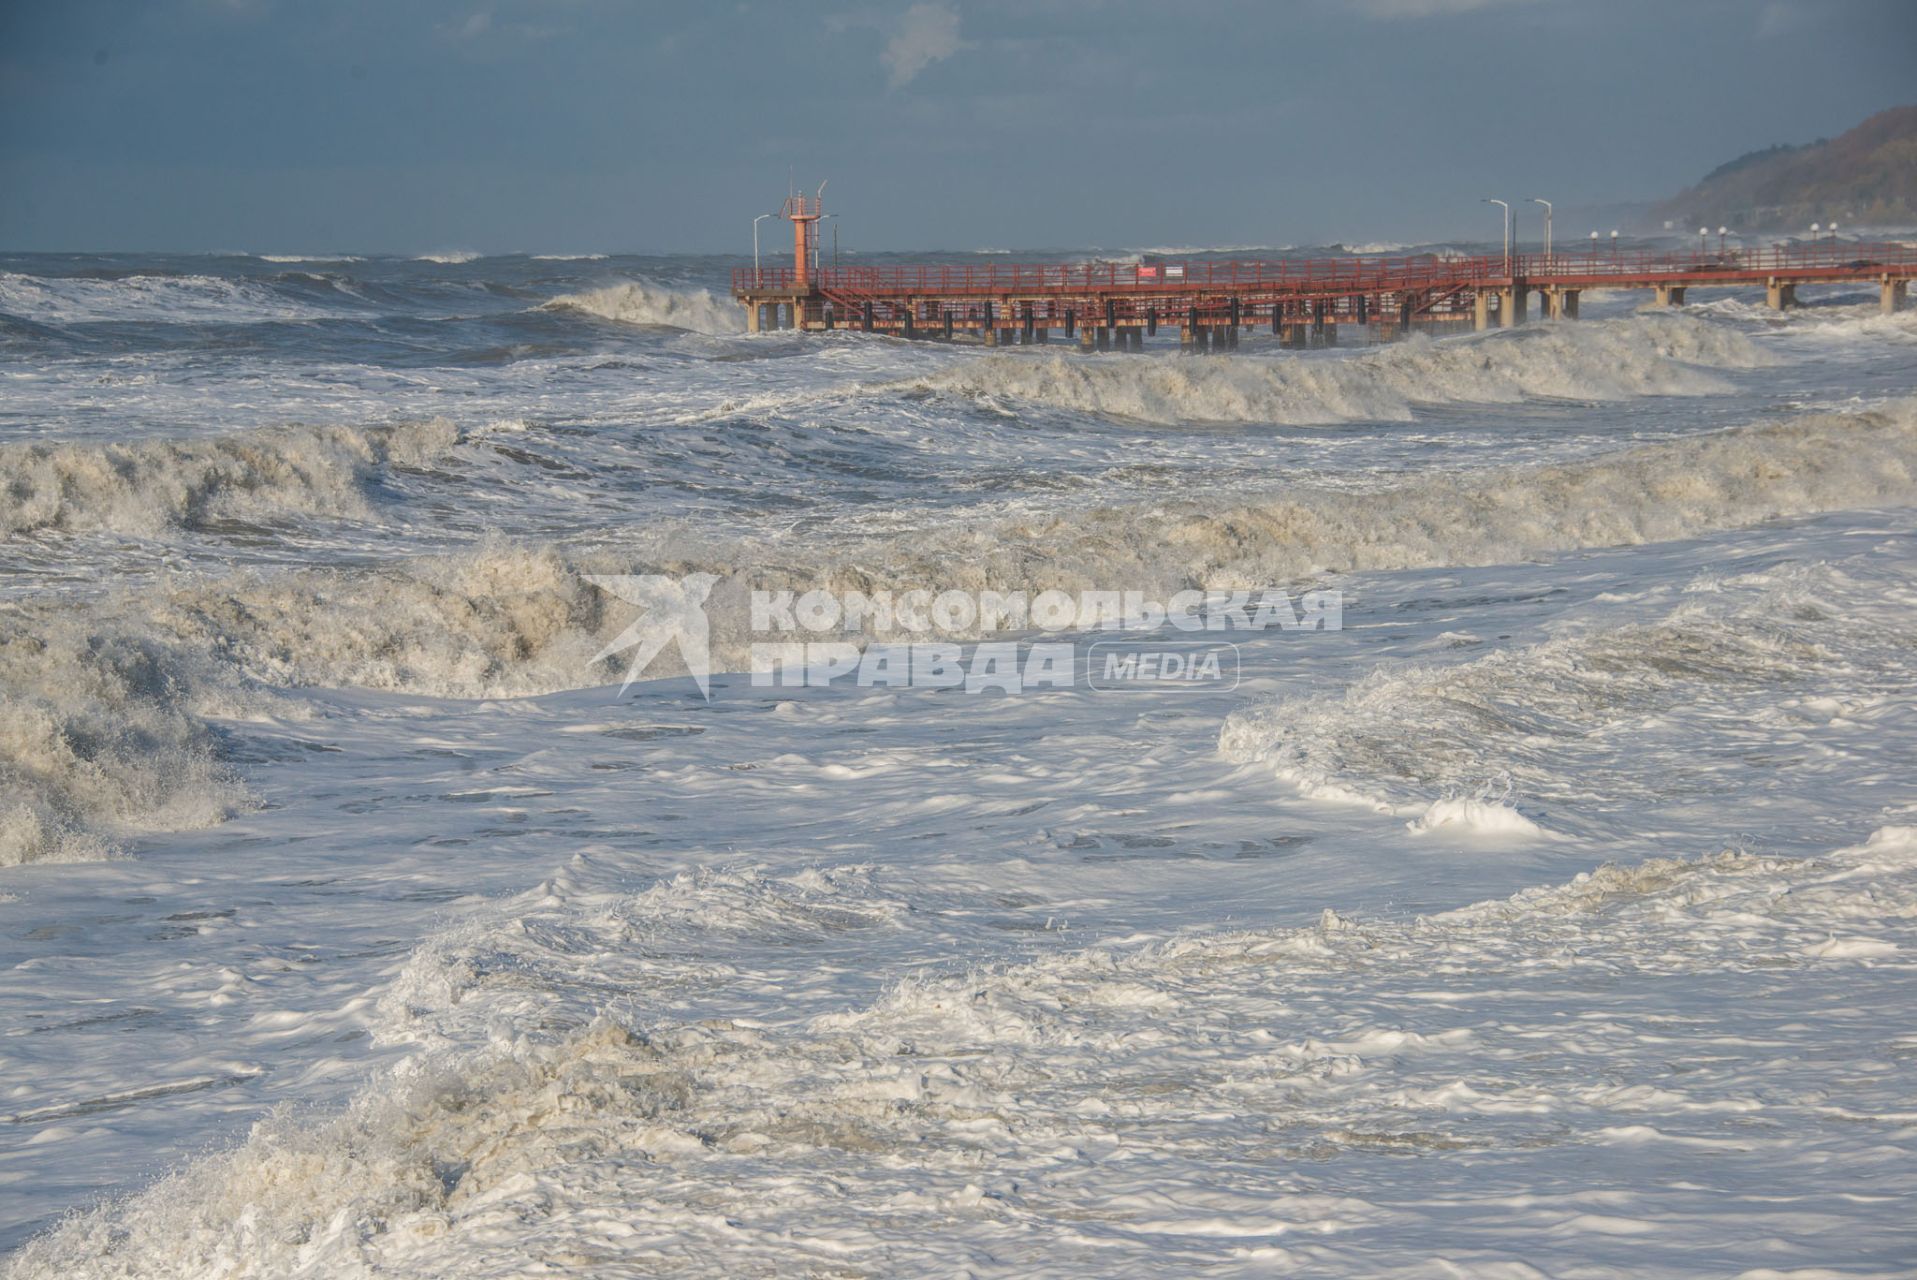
1085 340
1104 338
988 335
1780 294
1186 336
1231 337
1138 340
1201 339
1891 298
1511 306
948 324
1481 314
755 316
1670 295
1318 323
1044 335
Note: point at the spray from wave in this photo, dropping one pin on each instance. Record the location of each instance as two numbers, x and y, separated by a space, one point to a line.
642 303
148 485
103 732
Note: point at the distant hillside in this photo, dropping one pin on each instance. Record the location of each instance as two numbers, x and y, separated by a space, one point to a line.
1868 175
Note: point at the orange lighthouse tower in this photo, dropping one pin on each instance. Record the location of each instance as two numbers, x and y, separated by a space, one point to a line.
804 212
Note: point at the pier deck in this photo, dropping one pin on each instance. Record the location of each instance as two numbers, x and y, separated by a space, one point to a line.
1112 305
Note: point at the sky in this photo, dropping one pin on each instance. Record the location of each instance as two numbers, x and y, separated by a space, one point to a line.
631 126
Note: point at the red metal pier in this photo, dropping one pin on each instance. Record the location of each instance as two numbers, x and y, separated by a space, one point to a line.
1109 305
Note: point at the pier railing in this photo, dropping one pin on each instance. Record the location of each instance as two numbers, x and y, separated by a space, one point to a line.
1331 275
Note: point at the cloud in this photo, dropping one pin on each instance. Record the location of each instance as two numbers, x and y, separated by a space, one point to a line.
1426 8
926 34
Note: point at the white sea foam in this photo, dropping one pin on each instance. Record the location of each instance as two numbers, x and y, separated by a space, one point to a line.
1247 1096
1477 817
505 619
450 257
644 303
1600 720
1188 250
102 733
1600 360
189 299
146 485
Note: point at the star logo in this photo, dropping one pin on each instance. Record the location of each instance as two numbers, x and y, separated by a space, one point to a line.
674 611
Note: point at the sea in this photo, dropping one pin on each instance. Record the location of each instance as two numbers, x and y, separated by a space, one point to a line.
379 896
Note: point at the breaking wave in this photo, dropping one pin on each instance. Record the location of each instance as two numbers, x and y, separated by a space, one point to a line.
102 732
639 302
147 485
1602 721
1600 360
1656 492
967 1117
508 620
163 299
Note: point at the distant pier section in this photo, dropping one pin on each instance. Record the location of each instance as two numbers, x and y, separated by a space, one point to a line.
1110 306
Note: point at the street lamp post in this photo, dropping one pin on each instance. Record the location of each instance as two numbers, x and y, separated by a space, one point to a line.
1507 232
755 244
1703 241
835 241
1614 245
1547 230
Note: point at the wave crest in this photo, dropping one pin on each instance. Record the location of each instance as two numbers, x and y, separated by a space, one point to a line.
1600 360
189 299
506 620
102 733
1583 725
643 303
148 485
